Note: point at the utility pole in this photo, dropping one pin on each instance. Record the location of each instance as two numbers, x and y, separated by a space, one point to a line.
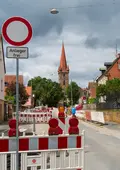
32 94
71 95
116 50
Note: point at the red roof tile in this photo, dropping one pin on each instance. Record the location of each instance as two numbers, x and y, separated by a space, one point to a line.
63 63
12 78
29 90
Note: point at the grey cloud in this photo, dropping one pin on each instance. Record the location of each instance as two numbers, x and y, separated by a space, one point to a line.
99 25
56 63
35 55
95 42
101 21
80 77
45 23
113 43
38 13
92 42
90 19
99 11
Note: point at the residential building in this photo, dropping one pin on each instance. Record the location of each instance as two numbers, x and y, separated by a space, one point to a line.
92 89
111 71
2 74
12 78
63 70
83 95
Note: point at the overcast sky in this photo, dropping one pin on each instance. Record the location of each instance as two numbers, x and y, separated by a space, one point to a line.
89 31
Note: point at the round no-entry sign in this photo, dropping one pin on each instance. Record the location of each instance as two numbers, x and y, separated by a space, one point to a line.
17 31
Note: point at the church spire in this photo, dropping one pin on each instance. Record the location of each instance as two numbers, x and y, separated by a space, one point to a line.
63 63
63 70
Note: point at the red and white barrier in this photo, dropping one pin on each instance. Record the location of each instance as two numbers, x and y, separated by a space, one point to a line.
97 117
80 114
28 117
88 115
49 146
62 119
41 150
40 143
94 116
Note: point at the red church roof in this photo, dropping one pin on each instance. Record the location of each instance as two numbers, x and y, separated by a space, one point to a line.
63 63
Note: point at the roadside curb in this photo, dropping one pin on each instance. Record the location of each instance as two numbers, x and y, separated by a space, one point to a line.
95 124
104 130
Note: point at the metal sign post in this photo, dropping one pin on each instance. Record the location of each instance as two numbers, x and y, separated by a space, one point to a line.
17 31
17 113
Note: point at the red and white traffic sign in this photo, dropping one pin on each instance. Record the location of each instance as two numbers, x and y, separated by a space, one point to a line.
17 31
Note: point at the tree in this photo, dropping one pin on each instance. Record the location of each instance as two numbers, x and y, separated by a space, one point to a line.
46 91
73 92
111 90
10 99
91 100
11 93
101 90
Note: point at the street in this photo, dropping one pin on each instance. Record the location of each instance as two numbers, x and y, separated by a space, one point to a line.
101 150
61 60
101 146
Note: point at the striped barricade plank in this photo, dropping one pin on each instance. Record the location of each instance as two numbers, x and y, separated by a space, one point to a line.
40 143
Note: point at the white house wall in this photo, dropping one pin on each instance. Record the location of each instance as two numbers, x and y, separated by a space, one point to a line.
2 72
102 80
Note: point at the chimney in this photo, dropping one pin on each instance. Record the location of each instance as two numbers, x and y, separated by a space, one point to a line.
102 70
108 64
118 55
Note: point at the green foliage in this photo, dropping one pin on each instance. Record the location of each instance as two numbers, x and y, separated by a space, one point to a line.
75 89
101 90
10 99
91 100
111 90
46 91
11 93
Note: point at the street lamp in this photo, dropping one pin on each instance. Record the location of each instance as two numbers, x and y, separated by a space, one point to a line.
54 11
33 100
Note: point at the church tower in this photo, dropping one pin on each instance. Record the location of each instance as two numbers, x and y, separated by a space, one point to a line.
63 70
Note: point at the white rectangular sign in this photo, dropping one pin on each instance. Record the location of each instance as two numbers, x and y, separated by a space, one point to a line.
17 52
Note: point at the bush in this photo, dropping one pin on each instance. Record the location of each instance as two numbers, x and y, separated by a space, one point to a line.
91 100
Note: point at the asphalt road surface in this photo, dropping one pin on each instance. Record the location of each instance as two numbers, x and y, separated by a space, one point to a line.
102 146
102 149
